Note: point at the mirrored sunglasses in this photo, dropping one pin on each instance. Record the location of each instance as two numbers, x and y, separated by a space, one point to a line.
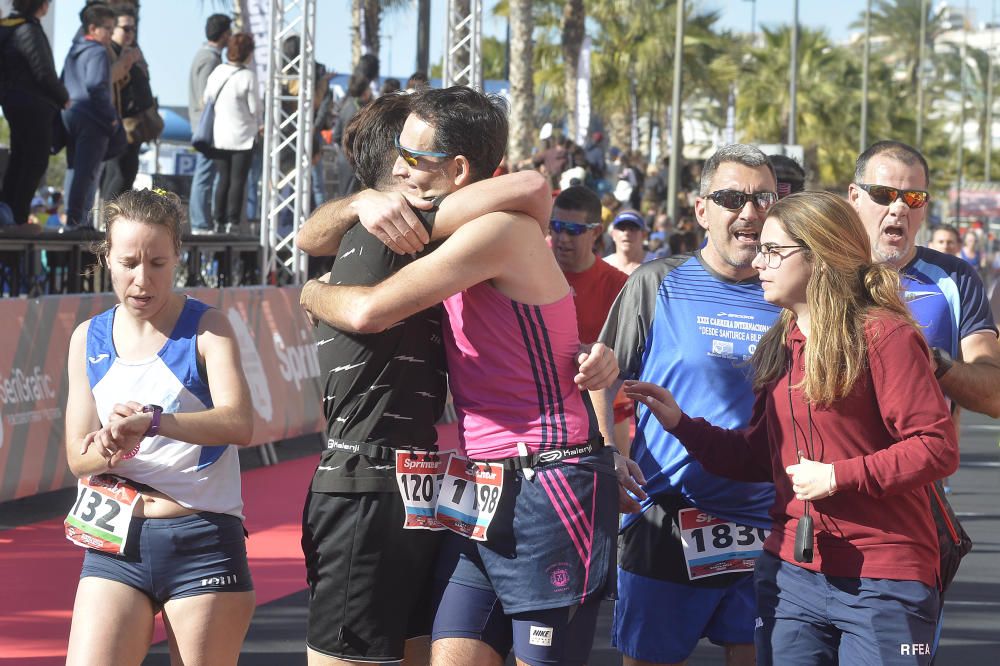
736 200
410 155
884 195
571 228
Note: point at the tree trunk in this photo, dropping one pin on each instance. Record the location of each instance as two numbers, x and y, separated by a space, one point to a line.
423 36
573 31
620 127
373 19
522 86
365 38
356 12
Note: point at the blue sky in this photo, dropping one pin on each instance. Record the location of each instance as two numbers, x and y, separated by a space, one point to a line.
171 30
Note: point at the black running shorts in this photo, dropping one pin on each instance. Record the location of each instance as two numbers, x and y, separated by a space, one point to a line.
369 579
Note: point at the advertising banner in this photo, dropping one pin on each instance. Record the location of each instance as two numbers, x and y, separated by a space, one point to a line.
276 345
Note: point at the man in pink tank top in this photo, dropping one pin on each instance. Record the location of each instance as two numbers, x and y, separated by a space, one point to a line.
532 496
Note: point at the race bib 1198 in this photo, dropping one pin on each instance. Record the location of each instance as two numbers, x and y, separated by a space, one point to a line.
469 496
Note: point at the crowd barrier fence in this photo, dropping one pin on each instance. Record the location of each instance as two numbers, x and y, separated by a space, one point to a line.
276 345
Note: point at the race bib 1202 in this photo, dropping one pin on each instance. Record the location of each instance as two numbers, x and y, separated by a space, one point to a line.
418 475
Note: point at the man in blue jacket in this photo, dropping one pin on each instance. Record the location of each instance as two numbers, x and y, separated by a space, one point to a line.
91 120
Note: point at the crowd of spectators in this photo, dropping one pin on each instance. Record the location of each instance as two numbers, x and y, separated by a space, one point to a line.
102 105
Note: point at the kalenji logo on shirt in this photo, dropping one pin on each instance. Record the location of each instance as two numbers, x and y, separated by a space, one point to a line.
540 636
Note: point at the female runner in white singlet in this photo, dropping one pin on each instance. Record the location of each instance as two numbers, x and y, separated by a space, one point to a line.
157 404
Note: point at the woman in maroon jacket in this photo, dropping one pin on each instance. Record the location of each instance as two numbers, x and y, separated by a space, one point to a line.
850 425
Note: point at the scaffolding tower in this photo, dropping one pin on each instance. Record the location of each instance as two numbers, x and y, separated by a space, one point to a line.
463 62
288 129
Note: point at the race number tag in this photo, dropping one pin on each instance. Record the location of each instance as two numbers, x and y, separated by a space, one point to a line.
470 494
418 474
101 515
713 546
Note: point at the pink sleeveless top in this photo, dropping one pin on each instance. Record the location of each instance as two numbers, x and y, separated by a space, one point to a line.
511 370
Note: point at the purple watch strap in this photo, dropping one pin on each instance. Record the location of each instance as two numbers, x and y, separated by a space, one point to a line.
154 425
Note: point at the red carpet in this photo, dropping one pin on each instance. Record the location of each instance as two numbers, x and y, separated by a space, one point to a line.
39 569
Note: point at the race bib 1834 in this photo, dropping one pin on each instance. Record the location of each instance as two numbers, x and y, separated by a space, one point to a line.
102 512
470 494
713 546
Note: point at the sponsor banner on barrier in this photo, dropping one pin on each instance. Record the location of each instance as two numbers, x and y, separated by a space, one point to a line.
276 345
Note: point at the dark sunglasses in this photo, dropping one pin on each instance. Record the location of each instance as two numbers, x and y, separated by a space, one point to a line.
736 200
126 28
410 156
884 195
571 228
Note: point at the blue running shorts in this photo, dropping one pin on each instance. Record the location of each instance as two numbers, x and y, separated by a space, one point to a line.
170 558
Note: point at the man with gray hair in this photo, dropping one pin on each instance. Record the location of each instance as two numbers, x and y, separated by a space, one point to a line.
690 323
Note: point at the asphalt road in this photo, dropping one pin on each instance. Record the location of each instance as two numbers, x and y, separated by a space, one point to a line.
971 635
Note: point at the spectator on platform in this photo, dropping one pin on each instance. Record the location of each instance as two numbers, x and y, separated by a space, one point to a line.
31 95
91 120
208 57
134 96
238 122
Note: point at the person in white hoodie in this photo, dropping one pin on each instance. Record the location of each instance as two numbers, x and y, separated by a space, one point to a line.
233 86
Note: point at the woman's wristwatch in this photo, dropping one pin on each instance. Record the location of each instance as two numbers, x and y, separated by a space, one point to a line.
154 425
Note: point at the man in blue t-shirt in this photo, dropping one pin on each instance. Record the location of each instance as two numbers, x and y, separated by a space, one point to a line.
943 292
690 323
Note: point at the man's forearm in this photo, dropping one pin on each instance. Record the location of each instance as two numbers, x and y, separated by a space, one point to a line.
604 407
321 234
337 305
974 386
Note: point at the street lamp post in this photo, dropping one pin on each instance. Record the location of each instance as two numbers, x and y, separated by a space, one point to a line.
921 54
675 116
987 175
753 19
793 111
863 137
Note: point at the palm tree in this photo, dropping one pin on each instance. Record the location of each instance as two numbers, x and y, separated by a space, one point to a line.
522 86
829 101
370 11
897 23
573 31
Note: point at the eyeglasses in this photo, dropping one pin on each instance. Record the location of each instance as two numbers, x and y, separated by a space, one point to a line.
126 28
771 255
571 228
736 200
410 156
884 195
